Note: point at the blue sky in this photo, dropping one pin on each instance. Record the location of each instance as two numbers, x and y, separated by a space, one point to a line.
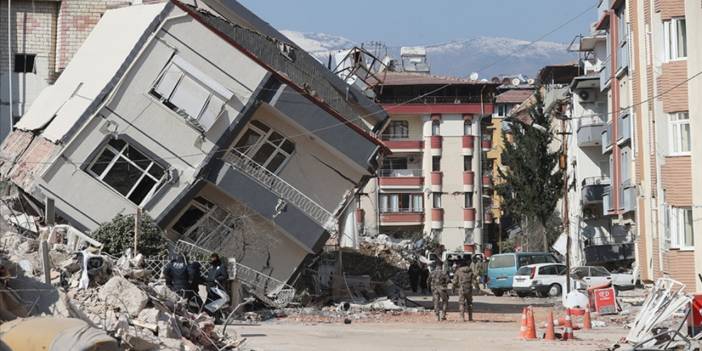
430 21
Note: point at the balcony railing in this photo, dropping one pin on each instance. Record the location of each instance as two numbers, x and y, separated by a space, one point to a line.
605 75
397 173
607 205
607 139
624 128
280 187
401 136
628 199
590 131
593 189
401 210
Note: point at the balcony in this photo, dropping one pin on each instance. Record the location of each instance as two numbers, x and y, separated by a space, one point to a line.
590 132
605 75
436 181
436 144
401 143
487 182
622 58
607 139
593 189
280 188
468 181
469 218
607 205
623 129
437 218
402 216
400 178
628 199
468 143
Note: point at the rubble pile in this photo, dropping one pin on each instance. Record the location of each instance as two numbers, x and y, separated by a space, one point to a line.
116 295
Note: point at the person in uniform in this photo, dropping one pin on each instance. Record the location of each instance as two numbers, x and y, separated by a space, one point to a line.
413 273
463 281
477 267
438 280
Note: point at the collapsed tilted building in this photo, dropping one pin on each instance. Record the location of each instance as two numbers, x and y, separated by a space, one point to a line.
219 127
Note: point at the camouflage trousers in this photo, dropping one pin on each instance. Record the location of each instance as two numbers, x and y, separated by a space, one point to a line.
440 298
465 303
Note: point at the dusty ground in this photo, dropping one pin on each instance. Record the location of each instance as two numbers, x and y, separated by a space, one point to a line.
496 328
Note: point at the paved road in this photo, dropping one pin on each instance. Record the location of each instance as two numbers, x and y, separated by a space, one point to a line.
497 329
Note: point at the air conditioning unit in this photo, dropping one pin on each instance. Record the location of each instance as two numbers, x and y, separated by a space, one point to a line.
587 95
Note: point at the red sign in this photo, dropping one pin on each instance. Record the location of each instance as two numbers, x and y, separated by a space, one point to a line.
694 319
605 301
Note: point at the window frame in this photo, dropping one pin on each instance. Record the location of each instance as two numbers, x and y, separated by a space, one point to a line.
409 205
119 154
390 132
435 127
436 163
675 133
671 49
264 136
436 200
468 200
676 221
467 127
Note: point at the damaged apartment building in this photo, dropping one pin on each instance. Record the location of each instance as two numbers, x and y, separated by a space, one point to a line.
215 124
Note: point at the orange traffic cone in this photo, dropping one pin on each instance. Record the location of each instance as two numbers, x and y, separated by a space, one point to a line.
568 327
587 323
523 328
550 333
531 325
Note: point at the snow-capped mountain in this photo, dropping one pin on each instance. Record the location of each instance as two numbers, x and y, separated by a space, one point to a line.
489 56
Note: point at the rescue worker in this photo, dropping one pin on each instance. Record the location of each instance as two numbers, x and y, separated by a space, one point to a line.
413 273
217 277
423 276
463 281
176 275
438 280
477 267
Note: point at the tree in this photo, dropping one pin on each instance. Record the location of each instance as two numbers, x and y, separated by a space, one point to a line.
118 235
532 181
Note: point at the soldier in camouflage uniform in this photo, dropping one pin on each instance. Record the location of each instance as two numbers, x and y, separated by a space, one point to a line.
463 280
438 280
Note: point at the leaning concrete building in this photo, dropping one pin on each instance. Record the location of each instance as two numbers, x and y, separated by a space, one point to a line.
215 124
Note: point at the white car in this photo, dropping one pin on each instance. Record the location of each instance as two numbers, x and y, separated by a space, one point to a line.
591 276
542 279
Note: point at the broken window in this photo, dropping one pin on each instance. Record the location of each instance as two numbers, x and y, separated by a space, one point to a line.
191 93
265 146
127 170
24 63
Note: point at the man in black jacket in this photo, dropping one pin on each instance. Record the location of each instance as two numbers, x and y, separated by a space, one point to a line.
217 277
177 277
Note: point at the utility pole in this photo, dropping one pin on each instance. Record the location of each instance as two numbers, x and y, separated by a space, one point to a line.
563 164
137 226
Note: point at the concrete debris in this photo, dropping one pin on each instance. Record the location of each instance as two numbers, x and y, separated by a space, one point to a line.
120 292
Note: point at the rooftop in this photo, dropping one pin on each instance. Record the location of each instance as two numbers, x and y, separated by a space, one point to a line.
514 96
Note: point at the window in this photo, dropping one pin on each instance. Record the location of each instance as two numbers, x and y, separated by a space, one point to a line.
467 127
436 200
191 93
680 226
503 109
436 163
680 133
625 164
395 163
435 127
24 63
675 39
502 261
599 272
467 163
205 223
127 170
548 270
396 130
265 146
468 200
395 203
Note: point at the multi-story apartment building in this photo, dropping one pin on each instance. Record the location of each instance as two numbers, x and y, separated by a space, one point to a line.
648 65
42 37
431 184
693 11
209 120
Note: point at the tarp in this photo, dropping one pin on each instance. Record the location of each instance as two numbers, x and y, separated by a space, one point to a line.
95 65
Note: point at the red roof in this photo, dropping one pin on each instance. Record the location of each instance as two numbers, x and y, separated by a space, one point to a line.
514 96
404 78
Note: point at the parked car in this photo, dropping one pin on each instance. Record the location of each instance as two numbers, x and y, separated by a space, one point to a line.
591 275
503 267
543 279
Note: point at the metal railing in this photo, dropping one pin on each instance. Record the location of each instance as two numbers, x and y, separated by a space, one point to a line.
401 210
605 74
281 188
400 172
402 136
595 181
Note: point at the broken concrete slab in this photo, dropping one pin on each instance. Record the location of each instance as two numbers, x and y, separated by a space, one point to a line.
121 293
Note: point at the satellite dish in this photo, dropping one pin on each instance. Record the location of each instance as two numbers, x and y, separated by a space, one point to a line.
516 81
530 82
474 76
